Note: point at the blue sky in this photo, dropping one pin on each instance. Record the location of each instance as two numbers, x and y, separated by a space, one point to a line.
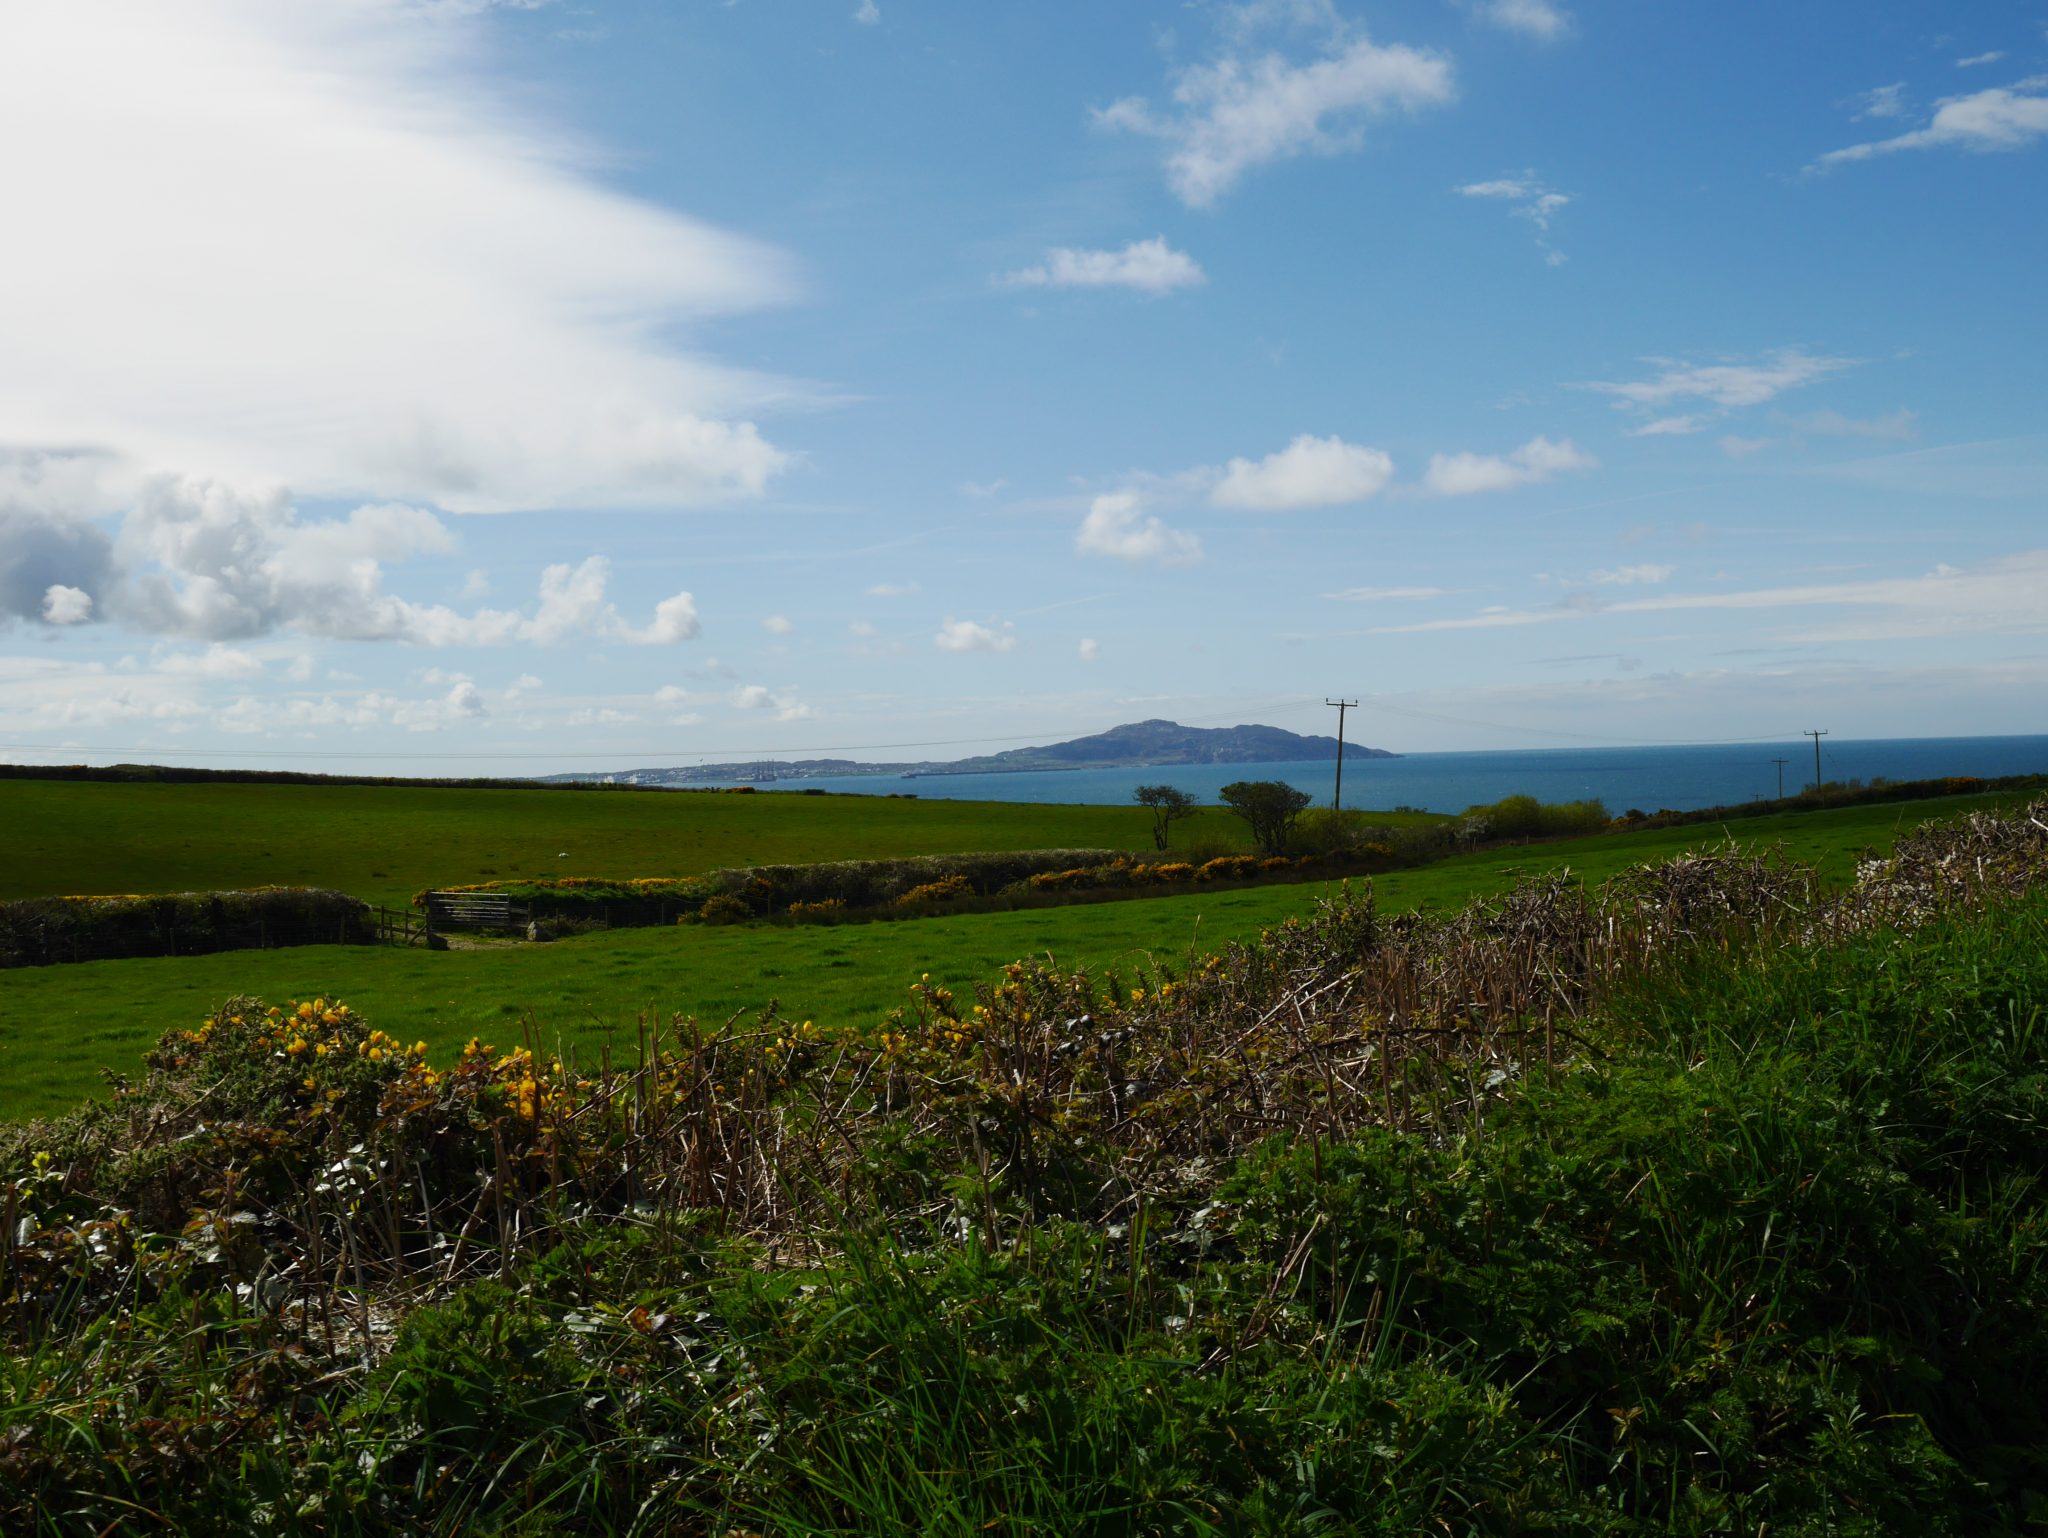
438 385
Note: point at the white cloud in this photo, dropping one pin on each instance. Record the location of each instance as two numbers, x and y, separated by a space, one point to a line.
861 630
1727 385
1670 427
778 624
1630 576
1976 59
300 669
1457 475
982 488
1309 472
309 245
1117 525
869 14
893 589
760 697
1149 266
1532 201
1884 101
964 635
66 605
675 619
1385 594
216 661
1090 649
2002 596
2001 118
1741 448
1249 109
1532 18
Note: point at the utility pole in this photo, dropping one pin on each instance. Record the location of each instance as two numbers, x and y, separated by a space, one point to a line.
1337 800
1816 736
1781 763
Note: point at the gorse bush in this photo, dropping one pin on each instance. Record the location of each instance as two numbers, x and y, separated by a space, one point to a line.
1707 1202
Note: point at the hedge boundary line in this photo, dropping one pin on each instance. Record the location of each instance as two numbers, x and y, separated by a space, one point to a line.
47 931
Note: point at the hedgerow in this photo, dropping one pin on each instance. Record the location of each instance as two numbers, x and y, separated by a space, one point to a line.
39 931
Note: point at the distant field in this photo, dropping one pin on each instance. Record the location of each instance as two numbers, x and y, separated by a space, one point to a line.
384 843
60 1025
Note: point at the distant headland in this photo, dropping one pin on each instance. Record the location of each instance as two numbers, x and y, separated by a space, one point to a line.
1135 745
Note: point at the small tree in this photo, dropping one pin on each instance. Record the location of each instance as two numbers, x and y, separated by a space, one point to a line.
1168 805
1270 806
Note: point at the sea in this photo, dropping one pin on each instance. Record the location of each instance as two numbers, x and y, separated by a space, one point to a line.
1679 777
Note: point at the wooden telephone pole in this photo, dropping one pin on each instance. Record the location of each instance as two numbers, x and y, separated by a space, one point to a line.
1781 763
1816 736
1337 800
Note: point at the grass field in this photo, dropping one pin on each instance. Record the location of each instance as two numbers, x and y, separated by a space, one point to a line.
385 843
60 1025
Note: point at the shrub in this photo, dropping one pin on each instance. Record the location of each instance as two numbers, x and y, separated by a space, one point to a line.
724 909
825 911
1063 880
1236 867
1173 870
946 889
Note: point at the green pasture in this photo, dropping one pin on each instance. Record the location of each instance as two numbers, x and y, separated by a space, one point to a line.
384 843
60 1025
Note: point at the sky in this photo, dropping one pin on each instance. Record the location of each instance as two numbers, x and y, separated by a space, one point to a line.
457 387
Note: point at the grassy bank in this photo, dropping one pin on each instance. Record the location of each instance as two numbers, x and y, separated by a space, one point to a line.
62 1025
1713 1207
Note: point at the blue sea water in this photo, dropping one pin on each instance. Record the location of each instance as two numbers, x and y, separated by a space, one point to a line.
1682 778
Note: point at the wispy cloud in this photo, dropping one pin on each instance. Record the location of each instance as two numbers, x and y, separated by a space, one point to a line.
1529 199
1386 594
2000 118
1532 18
2002 596
1148 266
1728 385
1249 108
1976 59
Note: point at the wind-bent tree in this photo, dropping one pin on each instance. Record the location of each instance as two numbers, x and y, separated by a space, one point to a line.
1168 805
1270 806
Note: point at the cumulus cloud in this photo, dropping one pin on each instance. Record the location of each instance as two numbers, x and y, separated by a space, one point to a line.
2000 118
1309 472
778 624
1117 525
1148 266
1089 649
216 661
365 273
869 14
1458 475
964 635
1249 108
66 605
207 561
785 707
893 589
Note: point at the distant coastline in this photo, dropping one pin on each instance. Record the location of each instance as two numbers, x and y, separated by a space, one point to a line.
1155 744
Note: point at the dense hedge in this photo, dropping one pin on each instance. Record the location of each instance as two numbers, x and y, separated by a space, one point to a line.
38 931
